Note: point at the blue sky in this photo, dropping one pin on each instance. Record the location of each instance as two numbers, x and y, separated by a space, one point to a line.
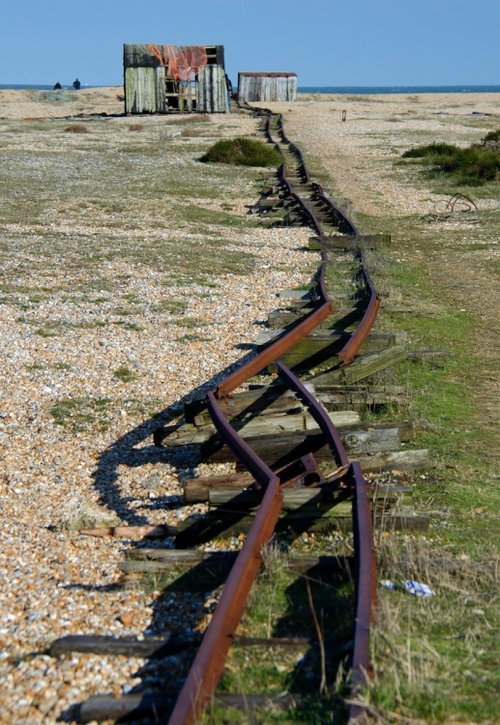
326 42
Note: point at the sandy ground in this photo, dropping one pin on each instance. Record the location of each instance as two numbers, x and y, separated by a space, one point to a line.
40 104
63 584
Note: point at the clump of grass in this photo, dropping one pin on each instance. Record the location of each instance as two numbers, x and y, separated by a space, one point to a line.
473 166
193 337
76 128
420 647
124 374
81 413
242 152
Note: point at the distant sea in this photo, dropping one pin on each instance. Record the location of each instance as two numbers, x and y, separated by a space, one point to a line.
352 90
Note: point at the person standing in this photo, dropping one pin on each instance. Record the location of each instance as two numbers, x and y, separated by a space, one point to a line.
76 84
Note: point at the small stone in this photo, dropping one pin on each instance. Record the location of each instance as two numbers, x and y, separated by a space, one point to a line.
127 619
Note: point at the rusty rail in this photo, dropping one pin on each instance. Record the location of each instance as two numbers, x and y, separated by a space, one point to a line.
208 665
366 588
352 346
284 343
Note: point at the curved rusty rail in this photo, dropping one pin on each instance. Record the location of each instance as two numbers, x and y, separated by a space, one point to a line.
349 351
209 662
284 343
208 665
352 346
365 585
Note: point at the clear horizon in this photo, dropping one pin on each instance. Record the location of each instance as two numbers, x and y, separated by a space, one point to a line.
419 85
327 43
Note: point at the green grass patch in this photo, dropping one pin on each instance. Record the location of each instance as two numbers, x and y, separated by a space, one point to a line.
86 413
283 604
124 374
242 152
472 166
82 413
435 659
193 337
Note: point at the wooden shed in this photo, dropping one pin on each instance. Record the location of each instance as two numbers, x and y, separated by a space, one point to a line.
267 86
172 78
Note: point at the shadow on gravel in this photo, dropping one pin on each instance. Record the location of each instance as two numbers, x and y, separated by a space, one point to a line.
129 450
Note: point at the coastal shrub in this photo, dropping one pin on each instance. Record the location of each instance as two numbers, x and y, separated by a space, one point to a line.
242 152
492 138
472 166
433 149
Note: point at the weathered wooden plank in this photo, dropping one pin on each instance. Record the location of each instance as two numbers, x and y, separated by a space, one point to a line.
351 243
278 451
190 557
302 498
362 397
129 646
134 533
224 524
362 367
211 91
175 559
190 434
273 401
144 90
158 647
279 87
200 489
137 707
155 707
313 351
275 448
283 318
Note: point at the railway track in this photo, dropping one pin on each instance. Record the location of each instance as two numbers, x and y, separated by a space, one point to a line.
314 468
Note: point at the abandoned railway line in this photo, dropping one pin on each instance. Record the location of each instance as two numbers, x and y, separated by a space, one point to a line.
290 418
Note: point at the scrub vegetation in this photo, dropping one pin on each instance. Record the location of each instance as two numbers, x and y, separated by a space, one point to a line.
243 152
472 166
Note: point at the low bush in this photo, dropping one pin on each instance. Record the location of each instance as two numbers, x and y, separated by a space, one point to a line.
77 128
243 152
472 166
493 137
434 149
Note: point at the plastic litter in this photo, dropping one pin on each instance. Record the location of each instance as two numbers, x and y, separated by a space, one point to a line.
410 587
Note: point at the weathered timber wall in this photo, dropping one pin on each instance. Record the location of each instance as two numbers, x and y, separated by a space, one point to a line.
211 93
145 90
267 86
